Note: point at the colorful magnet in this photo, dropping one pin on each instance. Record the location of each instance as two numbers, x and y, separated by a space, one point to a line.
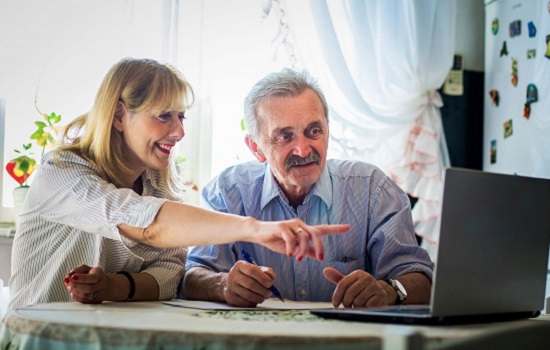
526 111
532 93
515 28
514 72
531 53
494 26
532 97
504 50
547 54
493 154
508 128
531 29
495 97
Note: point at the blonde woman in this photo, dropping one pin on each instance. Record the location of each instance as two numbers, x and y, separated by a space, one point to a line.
102 220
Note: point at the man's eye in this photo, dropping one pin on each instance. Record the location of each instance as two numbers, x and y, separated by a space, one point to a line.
284 137
314 132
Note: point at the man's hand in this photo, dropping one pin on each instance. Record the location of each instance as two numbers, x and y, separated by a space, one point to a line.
359 289
88 285
247 285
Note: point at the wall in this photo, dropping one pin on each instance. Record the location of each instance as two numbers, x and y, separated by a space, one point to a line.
470 19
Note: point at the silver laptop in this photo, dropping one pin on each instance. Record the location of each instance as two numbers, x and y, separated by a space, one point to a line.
492 257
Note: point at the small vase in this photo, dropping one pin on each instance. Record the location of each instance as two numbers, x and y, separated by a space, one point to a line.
19 195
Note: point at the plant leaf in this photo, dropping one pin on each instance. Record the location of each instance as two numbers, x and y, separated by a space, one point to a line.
37 134
54 118
243 125
27 146
40 124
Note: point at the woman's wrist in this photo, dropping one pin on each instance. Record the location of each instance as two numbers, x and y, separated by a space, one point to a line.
252 227
118 287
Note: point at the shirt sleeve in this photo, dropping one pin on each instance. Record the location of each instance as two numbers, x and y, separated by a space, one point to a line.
68 191
392 247
168 270
219 258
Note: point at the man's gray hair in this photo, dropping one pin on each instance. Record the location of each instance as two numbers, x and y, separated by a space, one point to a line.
285 83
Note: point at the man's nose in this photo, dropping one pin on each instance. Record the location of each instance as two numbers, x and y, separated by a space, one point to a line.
301 147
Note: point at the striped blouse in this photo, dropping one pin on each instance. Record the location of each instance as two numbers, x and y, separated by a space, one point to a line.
70 218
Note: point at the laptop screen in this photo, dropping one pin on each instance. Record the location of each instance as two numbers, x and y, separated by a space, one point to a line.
493 247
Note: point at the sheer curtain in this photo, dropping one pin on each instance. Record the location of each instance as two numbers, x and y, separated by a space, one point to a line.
380 63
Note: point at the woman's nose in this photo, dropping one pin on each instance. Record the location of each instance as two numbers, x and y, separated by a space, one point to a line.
178 131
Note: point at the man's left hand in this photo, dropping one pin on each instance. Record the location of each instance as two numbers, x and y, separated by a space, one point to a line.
359 289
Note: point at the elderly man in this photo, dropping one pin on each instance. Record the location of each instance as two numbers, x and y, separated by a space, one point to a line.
377 263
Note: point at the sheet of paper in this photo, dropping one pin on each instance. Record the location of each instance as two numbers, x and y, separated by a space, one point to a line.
269 304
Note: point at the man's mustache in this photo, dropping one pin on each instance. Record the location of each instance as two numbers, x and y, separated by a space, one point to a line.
294 160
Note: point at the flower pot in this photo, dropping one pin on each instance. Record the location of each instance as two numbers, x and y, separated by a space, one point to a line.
19 195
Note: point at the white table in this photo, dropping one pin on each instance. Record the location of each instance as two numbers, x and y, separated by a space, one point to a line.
154 325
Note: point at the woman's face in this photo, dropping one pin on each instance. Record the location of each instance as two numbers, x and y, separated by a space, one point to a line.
149 137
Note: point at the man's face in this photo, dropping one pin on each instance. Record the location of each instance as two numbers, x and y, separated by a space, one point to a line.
293 140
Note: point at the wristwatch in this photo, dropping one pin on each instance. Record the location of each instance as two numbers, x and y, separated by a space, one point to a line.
399 289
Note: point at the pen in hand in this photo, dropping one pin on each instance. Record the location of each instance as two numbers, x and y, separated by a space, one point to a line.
273 289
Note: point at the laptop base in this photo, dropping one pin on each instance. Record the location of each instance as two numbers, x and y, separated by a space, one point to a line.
365 315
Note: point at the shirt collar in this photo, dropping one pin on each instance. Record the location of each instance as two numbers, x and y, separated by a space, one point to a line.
271 189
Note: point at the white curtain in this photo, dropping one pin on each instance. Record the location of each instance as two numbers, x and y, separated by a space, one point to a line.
380 63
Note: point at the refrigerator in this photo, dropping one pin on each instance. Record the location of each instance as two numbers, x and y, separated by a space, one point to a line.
516 130
517 83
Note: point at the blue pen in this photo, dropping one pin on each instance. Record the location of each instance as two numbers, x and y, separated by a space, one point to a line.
273 289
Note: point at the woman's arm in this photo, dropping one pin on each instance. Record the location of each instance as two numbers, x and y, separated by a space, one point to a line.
177 224
91 285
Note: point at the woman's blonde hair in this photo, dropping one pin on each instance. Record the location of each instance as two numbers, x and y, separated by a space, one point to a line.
141 84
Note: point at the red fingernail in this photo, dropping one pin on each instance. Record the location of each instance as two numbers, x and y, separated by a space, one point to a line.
74 277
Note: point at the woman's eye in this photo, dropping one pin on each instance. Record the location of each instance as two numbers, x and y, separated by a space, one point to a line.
165 117
181 117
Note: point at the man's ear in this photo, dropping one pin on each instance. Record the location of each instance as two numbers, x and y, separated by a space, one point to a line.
119 114
253 147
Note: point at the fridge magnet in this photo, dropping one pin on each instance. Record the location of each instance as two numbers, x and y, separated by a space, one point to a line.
493 153
531 53
532 93
532 97
494 96
527 111
504 49
547 54
508 128
515 28
514 72
531 29
494 26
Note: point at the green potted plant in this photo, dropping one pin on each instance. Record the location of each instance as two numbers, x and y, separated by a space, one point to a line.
21 167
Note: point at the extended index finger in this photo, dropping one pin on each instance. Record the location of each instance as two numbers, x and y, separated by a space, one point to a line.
322 230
